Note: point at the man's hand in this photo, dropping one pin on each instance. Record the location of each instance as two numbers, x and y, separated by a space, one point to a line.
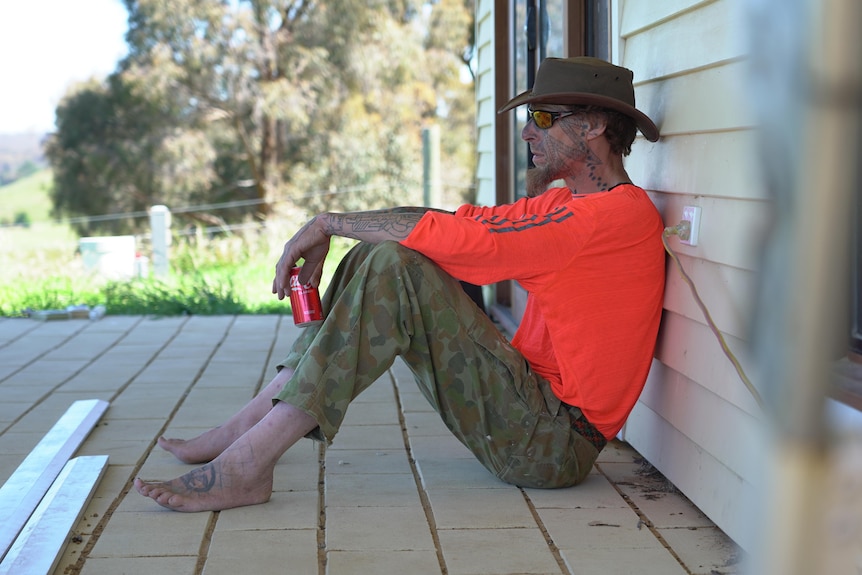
310 242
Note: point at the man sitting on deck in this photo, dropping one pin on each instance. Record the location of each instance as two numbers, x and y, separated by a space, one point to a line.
535 412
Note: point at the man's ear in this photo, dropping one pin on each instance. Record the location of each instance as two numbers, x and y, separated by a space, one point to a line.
598 123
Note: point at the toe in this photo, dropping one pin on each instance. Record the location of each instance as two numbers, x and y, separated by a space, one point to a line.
164 498
142 487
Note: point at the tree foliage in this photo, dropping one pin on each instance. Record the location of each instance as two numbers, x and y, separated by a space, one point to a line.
262 103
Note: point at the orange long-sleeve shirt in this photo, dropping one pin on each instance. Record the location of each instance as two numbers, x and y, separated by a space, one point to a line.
593 266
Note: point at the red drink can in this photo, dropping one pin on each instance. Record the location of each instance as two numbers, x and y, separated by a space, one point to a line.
304 300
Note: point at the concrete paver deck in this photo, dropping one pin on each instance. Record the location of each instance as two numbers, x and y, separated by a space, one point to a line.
394 493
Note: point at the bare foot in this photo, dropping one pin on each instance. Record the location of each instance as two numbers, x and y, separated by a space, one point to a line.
210 444
201 449
242 474
228 481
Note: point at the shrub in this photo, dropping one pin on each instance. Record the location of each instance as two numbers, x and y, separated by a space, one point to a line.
22 219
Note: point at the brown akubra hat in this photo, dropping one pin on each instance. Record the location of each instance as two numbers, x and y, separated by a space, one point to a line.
588 81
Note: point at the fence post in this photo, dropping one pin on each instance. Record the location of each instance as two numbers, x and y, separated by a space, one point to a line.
431 188
160 226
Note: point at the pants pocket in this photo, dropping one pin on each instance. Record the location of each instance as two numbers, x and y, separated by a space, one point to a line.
554 457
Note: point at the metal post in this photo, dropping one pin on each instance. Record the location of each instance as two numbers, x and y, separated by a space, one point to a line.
160 226
431 186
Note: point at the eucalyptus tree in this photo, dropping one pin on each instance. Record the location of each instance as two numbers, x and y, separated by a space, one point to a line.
257 102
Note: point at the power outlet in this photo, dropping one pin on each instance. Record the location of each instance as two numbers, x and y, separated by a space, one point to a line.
691 214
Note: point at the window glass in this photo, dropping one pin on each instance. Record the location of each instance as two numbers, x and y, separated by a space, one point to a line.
550 38
598 15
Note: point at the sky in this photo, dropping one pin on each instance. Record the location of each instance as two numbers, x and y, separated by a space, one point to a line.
48 45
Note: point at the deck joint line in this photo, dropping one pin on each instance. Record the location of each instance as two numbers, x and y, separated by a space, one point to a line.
643 520
321 509
423 495
546 535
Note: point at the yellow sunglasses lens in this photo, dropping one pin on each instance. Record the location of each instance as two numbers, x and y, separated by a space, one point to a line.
544 120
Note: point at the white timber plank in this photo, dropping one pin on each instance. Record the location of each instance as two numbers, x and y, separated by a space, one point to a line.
22 492
45 535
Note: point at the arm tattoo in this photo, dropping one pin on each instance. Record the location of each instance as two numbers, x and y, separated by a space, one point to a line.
373 226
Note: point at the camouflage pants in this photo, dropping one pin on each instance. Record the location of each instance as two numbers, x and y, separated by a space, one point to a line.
386 301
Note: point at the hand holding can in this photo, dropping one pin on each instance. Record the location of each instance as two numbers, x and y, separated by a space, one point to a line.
304 301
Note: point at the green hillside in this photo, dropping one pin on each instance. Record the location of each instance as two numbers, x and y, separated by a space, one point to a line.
43 247
30 195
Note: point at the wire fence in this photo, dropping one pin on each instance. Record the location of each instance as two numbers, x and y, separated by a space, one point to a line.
213 207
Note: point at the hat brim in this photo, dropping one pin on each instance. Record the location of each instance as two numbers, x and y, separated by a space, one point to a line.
644 124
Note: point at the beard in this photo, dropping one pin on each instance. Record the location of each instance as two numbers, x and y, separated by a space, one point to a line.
538 179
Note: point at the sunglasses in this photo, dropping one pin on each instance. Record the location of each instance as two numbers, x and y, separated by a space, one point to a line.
544 120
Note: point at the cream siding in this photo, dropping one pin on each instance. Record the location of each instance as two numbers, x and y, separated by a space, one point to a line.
485 177
695 421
